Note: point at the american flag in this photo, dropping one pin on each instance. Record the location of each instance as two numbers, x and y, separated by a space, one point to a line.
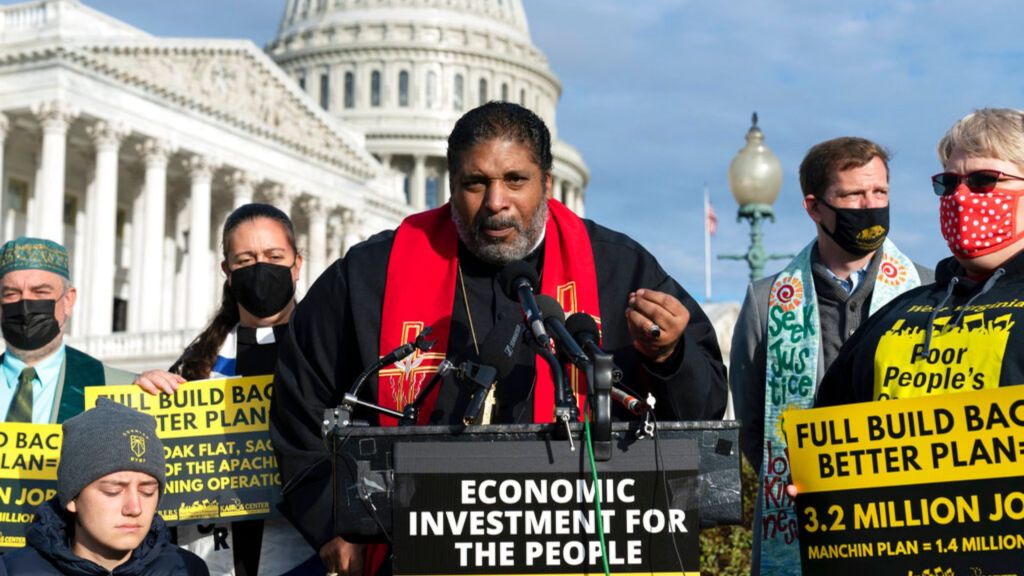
710 219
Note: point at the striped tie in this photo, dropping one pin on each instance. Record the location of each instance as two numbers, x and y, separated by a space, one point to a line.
21 407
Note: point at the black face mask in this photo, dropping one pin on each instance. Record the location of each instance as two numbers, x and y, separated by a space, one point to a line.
263 289
859 231
30 324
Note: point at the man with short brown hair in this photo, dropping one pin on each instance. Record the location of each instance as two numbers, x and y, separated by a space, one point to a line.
792 324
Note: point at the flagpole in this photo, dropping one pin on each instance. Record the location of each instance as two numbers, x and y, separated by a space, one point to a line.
707 245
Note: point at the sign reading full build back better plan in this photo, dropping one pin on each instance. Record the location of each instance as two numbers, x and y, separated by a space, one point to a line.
929 485
217 446
28 476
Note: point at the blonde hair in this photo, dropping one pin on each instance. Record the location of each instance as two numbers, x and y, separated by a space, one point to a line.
988 132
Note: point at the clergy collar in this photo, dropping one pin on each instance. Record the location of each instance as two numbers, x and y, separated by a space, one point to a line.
260 336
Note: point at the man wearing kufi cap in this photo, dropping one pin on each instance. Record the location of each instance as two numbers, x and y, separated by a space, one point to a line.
42 379
103 520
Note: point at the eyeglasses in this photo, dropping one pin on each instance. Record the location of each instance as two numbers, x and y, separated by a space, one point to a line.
979 181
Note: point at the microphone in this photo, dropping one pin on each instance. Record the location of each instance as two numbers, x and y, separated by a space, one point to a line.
498 354
519 281
601 375
583 328
554 320
628 401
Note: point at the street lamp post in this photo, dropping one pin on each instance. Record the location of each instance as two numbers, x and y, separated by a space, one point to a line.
755 177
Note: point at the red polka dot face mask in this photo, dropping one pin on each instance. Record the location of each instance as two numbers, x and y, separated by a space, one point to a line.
978 224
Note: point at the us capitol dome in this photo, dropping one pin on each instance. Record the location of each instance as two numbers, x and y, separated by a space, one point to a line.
131 149
403 71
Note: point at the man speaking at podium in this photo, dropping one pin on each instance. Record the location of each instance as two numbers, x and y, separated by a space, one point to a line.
440 269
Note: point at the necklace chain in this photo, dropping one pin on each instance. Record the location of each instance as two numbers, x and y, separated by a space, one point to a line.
469 315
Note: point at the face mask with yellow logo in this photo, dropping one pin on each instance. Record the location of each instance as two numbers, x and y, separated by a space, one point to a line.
859 231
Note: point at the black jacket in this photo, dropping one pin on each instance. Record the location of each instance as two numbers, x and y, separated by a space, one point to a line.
956 335
335 334
48 551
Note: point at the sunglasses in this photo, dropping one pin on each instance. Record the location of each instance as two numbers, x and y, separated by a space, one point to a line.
979 181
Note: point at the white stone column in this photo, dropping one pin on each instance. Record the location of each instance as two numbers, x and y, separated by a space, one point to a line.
4 126
446 186
556 190
335 237
579 200
55 118
172 313
135 282
101 229
242 184
155 153
281 197
352 234
317 257
418 183
200 269
80 261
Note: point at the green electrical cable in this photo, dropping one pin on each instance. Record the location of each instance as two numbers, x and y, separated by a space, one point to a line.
597 493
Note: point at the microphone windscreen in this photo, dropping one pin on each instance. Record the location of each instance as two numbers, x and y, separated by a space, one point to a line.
550 308
512 272
582 323
500 348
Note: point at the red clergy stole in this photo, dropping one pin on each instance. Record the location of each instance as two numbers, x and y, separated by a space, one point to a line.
420 292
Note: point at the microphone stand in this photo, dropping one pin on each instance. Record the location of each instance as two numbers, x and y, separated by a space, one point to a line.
411 412
341 415
601 373
566 409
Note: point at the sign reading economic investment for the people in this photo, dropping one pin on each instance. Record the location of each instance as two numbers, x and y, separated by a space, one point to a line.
923 485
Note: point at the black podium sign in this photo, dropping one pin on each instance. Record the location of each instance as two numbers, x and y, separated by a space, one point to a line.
529 507
451 474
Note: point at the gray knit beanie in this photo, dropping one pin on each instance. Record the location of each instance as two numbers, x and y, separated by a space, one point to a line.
109 438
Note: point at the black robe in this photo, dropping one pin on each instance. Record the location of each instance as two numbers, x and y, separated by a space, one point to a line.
335 334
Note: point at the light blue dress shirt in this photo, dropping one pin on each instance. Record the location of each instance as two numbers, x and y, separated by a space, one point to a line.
44 385
855 279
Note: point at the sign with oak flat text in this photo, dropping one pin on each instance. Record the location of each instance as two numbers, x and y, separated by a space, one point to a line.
220 464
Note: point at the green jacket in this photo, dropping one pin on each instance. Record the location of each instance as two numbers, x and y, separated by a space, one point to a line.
78 371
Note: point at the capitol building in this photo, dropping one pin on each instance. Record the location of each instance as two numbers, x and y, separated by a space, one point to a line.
132 149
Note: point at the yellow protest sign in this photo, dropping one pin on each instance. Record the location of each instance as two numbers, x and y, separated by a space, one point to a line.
29 456
220 462
954 437
903 486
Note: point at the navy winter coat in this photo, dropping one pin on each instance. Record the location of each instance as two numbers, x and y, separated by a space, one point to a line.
48 551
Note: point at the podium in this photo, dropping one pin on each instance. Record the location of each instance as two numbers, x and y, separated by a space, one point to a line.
518 499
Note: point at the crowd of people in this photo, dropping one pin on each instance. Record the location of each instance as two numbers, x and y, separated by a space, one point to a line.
832 308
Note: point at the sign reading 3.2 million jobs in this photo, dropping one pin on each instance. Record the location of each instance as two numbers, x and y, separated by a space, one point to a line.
28 476
220 463
925 485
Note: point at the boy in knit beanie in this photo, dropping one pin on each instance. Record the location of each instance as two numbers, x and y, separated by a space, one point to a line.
103 519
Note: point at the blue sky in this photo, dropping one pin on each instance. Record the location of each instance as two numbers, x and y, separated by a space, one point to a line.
657 95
